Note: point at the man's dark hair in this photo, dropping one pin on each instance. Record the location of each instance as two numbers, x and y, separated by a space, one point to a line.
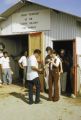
37 51
48 48
53 51
5 52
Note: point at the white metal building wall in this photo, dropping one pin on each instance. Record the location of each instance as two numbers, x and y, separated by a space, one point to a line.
6 26
63 27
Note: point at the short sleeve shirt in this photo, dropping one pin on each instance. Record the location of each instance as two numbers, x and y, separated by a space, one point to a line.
5 62
31 74
57 61
23 60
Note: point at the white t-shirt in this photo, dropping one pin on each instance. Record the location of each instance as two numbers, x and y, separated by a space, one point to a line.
5 62
31 74
58 61
23 60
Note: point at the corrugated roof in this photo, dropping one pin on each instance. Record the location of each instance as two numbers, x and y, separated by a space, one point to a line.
20 4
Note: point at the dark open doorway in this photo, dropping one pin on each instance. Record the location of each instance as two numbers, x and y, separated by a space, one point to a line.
16 45
68 47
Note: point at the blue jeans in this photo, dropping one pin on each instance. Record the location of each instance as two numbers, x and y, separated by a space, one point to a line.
35 82
7 77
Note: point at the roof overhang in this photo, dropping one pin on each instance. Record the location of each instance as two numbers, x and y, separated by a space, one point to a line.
11 10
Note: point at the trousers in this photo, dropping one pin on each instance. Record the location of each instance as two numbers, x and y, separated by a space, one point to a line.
54 83
31 83
63 79
7 77
24 75
46 78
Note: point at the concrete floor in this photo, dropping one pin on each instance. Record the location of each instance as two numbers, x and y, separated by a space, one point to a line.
14 106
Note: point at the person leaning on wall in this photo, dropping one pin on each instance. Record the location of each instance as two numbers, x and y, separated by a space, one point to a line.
63 77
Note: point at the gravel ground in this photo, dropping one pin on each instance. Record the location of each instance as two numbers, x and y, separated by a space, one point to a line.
14 106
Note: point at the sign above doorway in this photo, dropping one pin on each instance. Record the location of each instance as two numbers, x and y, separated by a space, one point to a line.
38 20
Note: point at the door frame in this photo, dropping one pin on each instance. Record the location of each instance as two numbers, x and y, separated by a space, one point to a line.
42 43
41 35
75 66
74 63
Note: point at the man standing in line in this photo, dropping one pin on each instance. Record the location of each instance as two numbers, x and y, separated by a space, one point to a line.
47 60
33 77
6 69
63 77
23 65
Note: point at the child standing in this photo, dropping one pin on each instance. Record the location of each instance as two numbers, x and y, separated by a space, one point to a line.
6 70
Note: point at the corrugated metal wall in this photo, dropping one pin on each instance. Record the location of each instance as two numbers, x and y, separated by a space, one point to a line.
63 27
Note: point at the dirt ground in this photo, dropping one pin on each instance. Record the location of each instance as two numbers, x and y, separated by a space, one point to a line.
14 106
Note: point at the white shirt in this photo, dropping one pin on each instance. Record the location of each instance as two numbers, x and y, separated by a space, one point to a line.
31 74
23 60
5 62
57 61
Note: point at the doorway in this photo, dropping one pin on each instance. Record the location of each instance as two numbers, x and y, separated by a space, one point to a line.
15 45
69 48
36 42
66 45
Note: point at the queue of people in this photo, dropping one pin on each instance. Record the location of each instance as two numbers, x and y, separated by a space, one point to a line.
52 69
56 71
